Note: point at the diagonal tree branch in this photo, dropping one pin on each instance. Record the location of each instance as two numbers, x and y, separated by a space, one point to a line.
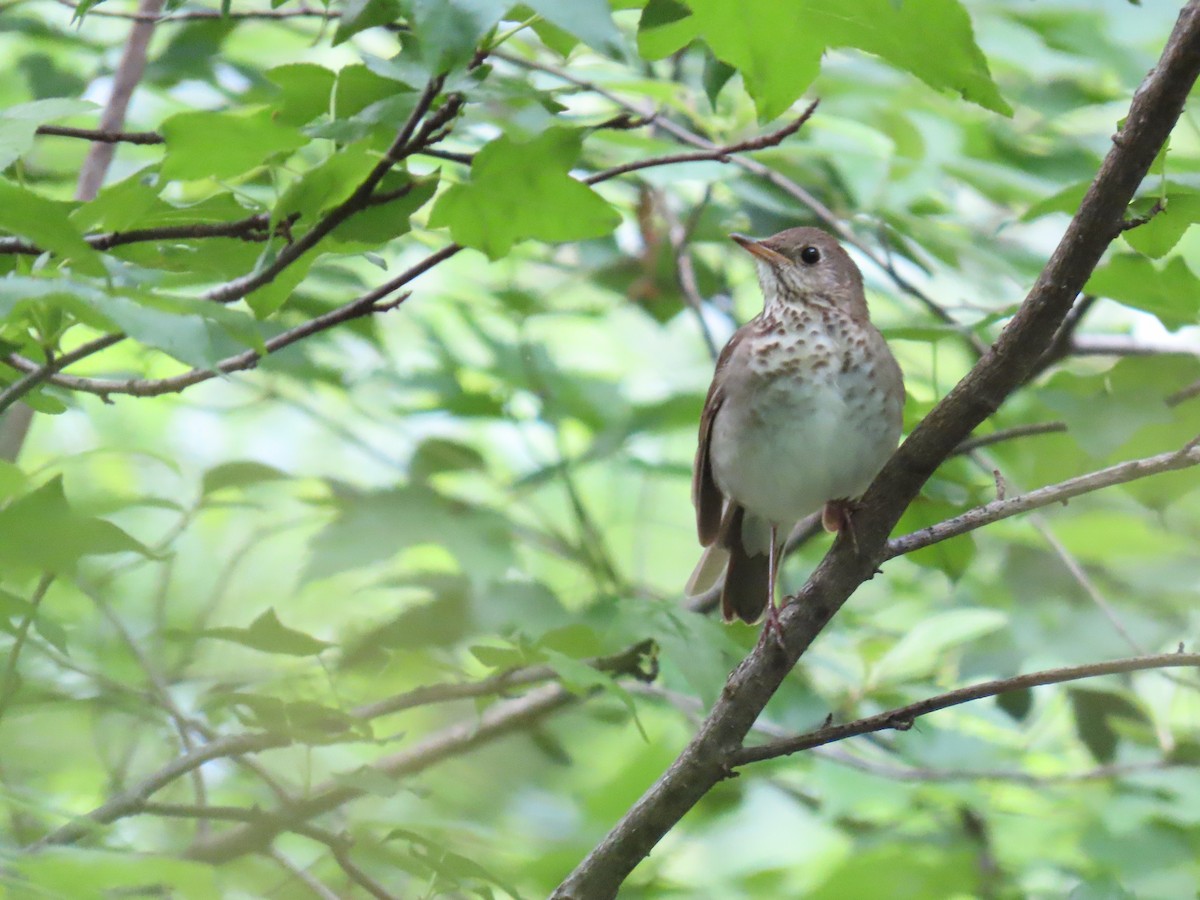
412 136
902 718
1153 112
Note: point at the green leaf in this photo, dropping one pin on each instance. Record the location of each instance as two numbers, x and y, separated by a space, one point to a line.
450 30
41 531
93 874
522 190
384 222
305 90
45 223
358 15
436 455
1093 709
238 475
1066 200
220 145
665 27
589 20
18 124
952 557
374 527
1171 291
193 331
268 634
922 649
1160 235
12 480
778 49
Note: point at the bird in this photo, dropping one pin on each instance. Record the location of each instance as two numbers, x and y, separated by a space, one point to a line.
805 406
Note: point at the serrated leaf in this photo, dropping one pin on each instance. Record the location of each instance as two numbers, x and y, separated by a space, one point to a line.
45 222
665 27
1170 292
41 531
441 455
305 90
778 49
268 634
19 123
450 30
923 646
589 20
370 528
1159 236
358 15
1066 200
245 141
1093 708
238 474
520 190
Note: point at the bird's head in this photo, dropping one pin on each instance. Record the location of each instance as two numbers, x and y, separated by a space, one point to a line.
806 266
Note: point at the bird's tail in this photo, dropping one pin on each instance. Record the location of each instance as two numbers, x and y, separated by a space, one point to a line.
708 570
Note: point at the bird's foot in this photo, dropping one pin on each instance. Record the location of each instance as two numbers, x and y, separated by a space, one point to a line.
772 628
838 516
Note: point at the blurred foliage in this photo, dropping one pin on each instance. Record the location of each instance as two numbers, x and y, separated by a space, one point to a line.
496 474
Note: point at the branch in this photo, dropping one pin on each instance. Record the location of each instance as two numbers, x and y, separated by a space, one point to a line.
902 718
1008 434
366 305
202 14
712 152
125 80
8 686
785 184
252 228
1056 493
703 763
628 662
408 140
101 135
131 801
497 721
1187 393
39 373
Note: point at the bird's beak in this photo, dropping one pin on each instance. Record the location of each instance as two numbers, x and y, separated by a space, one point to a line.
759 249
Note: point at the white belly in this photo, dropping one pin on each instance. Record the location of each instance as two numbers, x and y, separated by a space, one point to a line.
793 451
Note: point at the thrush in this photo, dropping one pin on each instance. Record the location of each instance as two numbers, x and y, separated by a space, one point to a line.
804 409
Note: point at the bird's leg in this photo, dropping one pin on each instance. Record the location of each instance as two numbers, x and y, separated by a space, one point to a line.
772 626
838 515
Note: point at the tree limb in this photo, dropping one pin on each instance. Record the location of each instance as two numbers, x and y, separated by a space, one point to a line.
1153 112
902 718
1056 493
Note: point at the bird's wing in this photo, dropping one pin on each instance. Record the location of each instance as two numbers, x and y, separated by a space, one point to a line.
706 496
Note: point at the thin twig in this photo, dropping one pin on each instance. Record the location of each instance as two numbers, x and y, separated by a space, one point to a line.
102 136
902 718
1008 434
787 185
202 14
125 80
252 228
301 874
712 153
408 140
1130 470
8 686
366 305
1187 393
39 373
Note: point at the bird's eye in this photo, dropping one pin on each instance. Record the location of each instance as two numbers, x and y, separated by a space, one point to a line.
810 255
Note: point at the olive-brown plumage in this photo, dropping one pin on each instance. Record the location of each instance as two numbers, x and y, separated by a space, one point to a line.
804 409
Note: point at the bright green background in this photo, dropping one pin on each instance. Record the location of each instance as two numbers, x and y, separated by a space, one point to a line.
497 472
